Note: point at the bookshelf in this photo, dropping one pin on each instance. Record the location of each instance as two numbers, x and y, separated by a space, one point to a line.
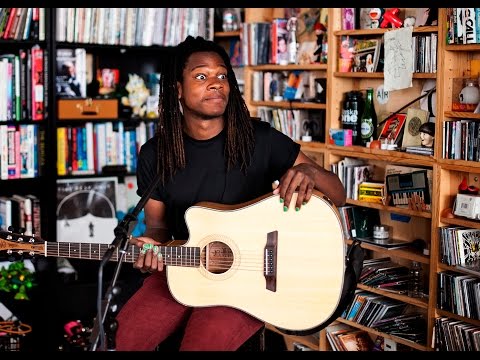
421 224
23 177
453 61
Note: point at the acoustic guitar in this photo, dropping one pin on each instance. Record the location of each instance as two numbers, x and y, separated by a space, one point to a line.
285 268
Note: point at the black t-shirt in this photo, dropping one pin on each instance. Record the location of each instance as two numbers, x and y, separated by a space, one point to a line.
205 176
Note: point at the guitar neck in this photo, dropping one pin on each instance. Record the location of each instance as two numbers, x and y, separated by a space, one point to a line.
172 255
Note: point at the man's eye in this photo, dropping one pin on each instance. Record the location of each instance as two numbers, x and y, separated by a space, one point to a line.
200 77
222 76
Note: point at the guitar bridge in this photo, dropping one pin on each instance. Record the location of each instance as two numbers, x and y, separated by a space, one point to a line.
270 261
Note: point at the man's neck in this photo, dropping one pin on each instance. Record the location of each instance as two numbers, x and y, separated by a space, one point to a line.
203 129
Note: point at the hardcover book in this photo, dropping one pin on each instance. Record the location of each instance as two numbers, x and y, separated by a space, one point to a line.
71 74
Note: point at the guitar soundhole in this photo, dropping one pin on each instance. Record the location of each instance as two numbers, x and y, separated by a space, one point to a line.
217 257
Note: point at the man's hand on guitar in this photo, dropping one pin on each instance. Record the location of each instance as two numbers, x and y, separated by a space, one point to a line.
150 258
301 177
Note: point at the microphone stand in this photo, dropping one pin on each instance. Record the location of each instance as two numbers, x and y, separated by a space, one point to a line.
122 232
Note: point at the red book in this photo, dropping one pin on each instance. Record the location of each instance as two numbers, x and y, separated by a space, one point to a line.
37 83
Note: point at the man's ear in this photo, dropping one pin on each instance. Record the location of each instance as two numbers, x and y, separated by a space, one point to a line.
179 90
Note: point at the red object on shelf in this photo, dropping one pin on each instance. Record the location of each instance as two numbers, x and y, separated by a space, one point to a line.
390 17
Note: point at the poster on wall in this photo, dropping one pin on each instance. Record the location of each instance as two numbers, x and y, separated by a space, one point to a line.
86 210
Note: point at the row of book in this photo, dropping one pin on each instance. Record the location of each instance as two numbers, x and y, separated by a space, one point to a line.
22 91
459 245
133 26
291 122
367 55
20 212
461 140
455 335
20 151
22 23
463 25
424 53
459 294
87 149
352 172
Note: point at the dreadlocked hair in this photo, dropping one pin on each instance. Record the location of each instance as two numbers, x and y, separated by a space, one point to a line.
239 142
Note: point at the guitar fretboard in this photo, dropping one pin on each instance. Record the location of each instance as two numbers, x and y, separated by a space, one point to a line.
172 255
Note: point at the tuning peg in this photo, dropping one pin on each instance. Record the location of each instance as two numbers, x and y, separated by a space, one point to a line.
10 228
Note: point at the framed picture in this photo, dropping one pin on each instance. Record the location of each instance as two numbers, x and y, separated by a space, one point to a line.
86 210
392 128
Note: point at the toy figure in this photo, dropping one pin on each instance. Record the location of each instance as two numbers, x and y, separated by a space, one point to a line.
376 16
391 17
427 134
137 95
320 31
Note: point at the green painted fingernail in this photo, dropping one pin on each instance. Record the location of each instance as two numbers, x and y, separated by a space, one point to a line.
304 203
297 209
285 208
147 246
281 200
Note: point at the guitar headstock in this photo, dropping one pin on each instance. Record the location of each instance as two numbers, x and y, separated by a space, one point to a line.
17 245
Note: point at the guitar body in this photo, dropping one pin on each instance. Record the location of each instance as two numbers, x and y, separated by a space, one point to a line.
285 268
309 261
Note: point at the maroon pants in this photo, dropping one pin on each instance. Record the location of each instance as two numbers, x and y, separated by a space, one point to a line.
152 314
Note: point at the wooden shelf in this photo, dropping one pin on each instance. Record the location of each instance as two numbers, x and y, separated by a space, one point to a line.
290 67
224 34
290 104
469 223
463 47
405 253
457 317
392 209
419 302
391 156
461 115
397 339
309 340
379 75
422 29
459 165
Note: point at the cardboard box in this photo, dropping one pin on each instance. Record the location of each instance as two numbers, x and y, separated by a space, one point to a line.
87 109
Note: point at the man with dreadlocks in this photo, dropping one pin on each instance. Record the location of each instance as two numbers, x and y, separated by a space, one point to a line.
207 148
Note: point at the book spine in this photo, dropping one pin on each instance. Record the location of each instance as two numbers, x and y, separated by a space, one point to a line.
37 83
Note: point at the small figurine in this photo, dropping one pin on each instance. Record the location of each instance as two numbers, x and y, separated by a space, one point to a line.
427 134
376 16
391 17
320 31
137 95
